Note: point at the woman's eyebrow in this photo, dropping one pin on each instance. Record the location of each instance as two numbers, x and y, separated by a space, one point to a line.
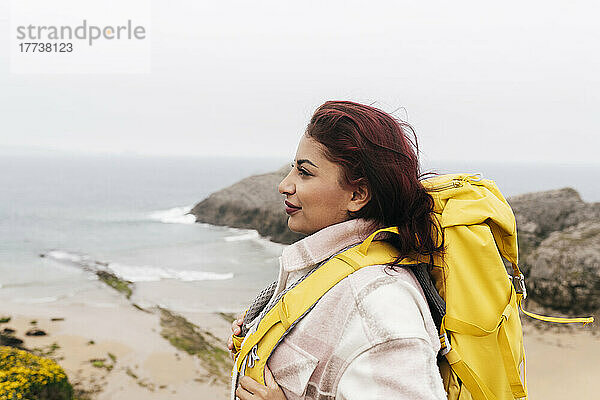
304 160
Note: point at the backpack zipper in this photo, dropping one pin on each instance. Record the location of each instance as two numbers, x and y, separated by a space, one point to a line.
455 183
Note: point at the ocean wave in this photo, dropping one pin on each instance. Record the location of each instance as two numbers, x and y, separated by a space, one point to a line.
61 255
72 259
175 215
247 235
150 274
252 235
134 273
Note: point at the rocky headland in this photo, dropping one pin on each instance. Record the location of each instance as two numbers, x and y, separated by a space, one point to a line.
559 244
252 203
558 233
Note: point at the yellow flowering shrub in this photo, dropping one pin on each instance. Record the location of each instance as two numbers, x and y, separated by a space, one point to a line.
24 376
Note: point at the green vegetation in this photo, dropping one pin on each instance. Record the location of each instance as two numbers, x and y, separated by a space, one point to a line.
141 382
147 385
47 351
140 308
190 338
101 363
112 280
129 372
24 375
4 320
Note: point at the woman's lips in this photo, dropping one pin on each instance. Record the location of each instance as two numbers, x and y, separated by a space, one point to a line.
290 208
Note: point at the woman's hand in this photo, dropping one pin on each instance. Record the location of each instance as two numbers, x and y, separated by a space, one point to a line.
249 389
236 329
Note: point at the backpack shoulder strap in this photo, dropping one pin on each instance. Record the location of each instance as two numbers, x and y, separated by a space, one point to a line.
292 306
436 303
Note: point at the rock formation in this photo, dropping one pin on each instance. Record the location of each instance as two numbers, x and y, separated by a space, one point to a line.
559 244
252 203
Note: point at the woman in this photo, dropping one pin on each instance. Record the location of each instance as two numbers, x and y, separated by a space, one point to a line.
371 336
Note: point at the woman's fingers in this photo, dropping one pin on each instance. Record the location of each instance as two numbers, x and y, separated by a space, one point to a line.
249 389
230 347
243 394
275 391
253 387
236 326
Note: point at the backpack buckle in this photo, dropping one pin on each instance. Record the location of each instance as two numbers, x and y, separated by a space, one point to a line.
519 284
444 344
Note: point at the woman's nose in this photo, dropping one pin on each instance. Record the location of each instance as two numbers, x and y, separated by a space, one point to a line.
286 186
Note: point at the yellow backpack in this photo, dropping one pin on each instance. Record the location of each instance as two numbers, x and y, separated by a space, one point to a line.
474 301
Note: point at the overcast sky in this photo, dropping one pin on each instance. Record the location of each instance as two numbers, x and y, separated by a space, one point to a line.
495 81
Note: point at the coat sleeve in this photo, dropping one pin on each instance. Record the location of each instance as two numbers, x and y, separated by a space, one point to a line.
397 369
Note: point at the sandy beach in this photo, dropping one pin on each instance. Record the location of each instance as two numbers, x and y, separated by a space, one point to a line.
562 363
118 353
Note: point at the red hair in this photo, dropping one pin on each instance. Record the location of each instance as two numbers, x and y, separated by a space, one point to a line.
374 148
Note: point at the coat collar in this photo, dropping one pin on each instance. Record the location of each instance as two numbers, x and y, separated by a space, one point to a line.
324 243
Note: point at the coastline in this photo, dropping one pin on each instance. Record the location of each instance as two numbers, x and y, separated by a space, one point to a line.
113 348
119 353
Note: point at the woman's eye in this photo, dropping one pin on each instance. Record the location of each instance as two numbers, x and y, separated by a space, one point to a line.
301 171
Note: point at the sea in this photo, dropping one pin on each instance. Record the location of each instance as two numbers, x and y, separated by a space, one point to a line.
59 214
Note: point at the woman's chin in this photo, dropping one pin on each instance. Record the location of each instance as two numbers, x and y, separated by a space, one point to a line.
291 225
294 225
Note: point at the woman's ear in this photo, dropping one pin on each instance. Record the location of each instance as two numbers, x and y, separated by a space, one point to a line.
360 197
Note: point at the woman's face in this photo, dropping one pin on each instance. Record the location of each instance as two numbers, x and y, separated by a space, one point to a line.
315 198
